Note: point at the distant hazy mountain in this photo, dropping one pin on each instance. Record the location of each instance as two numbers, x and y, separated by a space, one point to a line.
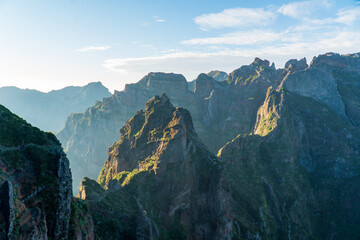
49 111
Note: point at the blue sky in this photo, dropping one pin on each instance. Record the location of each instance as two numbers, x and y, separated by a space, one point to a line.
48 45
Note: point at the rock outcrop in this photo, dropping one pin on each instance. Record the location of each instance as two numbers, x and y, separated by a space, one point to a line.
35 182
161 181
294 65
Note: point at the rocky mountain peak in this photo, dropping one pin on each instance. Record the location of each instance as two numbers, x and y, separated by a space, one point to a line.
219 76
258 70
95 85
296 65
335 60
160 81
157 170
261 63
158 103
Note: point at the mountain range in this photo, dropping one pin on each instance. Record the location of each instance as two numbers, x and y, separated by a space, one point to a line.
49 111
266 154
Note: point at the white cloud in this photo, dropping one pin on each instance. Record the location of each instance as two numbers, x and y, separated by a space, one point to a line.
93 48
238 38
308 37
193 63
303 9
158 19
296 9
348 16
235 17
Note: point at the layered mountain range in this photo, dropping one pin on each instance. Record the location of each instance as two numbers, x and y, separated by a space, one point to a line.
49 111
220 111
291 173
267 154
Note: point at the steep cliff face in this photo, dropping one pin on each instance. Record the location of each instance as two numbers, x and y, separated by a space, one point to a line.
297 176
161 181
231 109
345 69
332 79
35 182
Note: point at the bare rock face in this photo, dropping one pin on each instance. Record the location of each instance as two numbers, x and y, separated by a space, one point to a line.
296 65
332 79
345 69
161 181
35 182
160 82
318 85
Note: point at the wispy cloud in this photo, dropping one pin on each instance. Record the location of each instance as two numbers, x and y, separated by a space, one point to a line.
238 38
317 28
228 59
296 9
158 19
348 16
235 17
303 9
93 48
